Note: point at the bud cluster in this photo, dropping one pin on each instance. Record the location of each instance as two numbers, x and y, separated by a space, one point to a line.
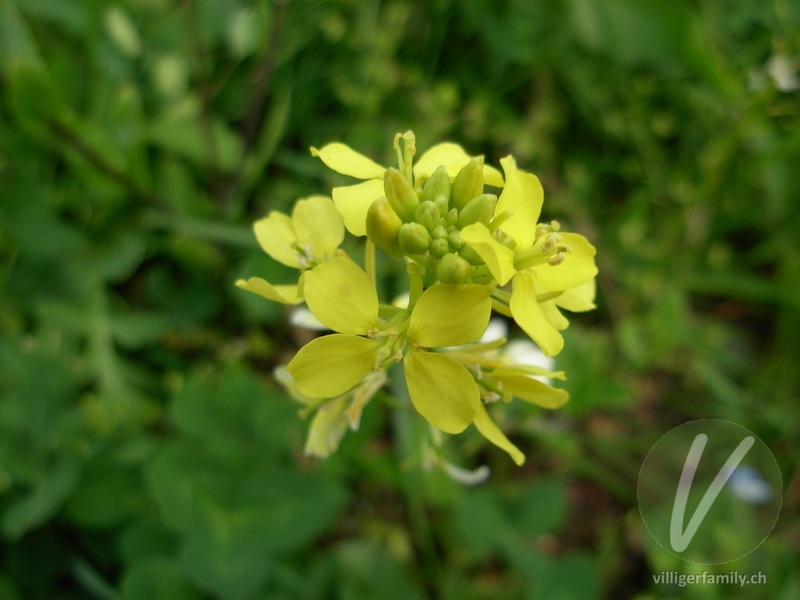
425 223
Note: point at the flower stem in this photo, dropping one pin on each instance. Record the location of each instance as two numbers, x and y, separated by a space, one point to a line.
406 438
369 261
415 283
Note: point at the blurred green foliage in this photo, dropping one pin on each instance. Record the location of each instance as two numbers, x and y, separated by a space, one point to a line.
145 452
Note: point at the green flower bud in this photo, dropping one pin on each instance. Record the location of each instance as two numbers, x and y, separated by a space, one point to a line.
454 239
400 194
439 232
452 217
414 238
478 210
437 185
443 203
427 215
468 253
439 248
468 183
481 275
383 227
453 269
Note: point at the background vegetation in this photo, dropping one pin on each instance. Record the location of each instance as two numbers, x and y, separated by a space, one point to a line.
146 453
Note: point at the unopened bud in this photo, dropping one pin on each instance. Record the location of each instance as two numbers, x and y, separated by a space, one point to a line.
468 183
439 248
438 184
400 194
383 227
453 269
427 215
454 239
451 218
443 203
468 253
439 232
478 210
481 275
414 238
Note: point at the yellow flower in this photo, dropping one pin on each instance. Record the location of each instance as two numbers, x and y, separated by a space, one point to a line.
443 391
311 236
354 201
549 269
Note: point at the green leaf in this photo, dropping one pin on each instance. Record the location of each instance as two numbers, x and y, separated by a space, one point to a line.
44 500
109 492
157 578
16 41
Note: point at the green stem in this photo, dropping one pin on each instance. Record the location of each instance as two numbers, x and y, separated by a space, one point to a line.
409 150
369 262
415 283
501 295
406 445
399 151
501 307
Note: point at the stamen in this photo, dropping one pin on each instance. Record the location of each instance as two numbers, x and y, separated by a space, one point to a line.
490 397
550 242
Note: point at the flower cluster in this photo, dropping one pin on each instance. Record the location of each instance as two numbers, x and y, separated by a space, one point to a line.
466 252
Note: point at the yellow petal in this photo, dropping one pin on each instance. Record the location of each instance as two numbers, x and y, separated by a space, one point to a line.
347 161
527 370
578 266
523 195
285 294
532 390
342 296
529 316
553 315
318 225
448 154
492 432
332 364
275 233
353 202
453 157
578 299
327 429
492 176
450 315
441 390
497 257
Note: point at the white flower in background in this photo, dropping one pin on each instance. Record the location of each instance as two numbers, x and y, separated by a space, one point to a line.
748 485
518 352
781 69
302 317
783 72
